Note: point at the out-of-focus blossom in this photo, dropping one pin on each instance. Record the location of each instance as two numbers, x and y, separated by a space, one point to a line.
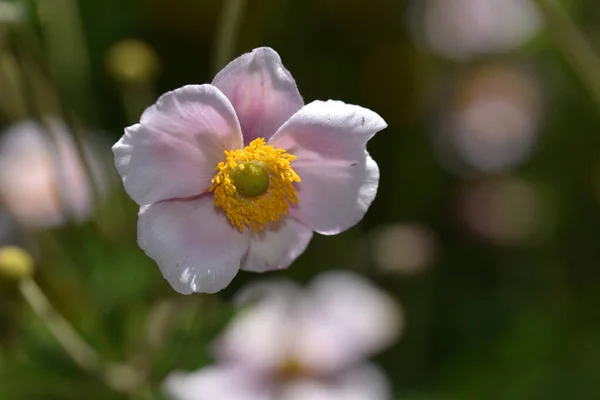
42 179
403 248
293 344
239 173
506 211
461 29
491 122
132 61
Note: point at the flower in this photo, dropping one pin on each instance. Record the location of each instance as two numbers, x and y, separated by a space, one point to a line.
491 121
42 179
239 173
292 344
463 29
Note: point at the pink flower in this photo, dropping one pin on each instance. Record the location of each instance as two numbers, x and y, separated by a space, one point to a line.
294 344
463 29
239 173
43 182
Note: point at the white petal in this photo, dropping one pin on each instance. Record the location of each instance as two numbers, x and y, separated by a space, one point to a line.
277 246
195 247
213 383
258 338
345 319
174 150
262 91
364 383
339 178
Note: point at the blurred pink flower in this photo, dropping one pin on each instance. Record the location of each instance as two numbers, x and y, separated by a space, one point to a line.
42 180
491 121
210 206
293 344
462 29
506 211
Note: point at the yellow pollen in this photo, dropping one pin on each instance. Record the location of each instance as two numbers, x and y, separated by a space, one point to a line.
291 369
263 195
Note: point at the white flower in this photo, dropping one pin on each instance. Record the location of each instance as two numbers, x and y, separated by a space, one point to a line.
239 173
300 345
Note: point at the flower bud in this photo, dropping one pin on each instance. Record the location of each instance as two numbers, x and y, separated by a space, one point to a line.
132 61
15 262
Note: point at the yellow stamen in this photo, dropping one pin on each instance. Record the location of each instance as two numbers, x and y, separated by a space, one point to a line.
254 185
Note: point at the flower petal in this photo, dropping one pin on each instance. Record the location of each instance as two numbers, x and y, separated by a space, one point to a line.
213 383
339 178
262 91
277 246
345 319
366 382
174 150
195 247
259 337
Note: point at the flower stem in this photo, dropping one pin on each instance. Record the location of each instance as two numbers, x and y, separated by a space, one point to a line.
576 48
228 28
120 378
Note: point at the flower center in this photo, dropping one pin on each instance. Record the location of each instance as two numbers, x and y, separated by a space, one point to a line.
250 179
291 369
254 185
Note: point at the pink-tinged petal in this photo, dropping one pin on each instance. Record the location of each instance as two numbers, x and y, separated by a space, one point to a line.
42 179
344 320
262 91
174 150
362 383
214 383
277 246
258 338
195 247
339 178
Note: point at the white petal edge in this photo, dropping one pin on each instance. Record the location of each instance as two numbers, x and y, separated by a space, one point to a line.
277 246
339 178
211 383
366 382
174 150
345 319
258 338
195 247
262 91
333 198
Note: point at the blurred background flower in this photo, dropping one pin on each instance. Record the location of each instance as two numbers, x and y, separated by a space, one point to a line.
463 29
405 249
490 121
504 211
291 343
43 181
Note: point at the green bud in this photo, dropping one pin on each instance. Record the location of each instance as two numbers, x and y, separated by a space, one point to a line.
15 263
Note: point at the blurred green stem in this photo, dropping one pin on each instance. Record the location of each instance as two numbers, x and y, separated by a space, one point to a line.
120 378
577 50
228 28
66 52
